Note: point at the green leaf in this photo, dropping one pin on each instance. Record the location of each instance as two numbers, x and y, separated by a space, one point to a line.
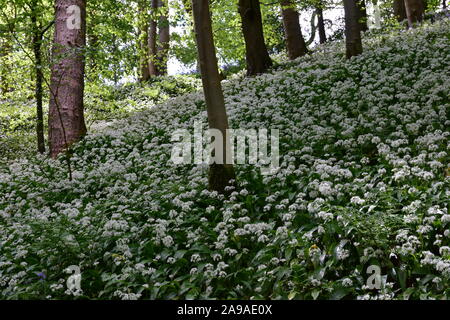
408 293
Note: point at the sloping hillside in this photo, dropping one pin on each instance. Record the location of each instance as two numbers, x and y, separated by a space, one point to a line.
363 185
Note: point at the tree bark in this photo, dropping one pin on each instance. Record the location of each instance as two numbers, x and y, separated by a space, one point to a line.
93 45
352 29
153 70
143 27
321 25
219 174
66 110
37 46
415 10
399 10
164 38
295 42
5 50
257 57
362 15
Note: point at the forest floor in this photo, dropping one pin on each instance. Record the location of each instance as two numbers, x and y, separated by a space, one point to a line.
362 190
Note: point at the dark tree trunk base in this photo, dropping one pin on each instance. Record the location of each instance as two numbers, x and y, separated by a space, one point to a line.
220 176
362 15
295 42
321 25
258 59
352 29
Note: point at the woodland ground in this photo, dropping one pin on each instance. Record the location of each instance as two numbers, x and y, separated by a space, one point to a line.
364 181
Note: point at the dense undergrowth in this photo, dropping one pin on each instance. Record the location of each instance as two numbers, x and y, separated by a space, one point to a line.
364 181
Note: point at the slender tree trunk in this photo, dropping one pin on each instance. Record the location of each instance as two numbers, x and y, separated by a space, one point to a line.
93 48
414 11
66 110
362 15
352 29
143 27
37 45
295 42
321 25
153 70
258 59
4 52
312 22
164 38
399 10
219 174
39 110
444 4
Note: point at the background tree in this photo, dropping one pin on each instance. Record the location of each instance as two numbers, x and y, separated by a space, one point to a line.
228 35
152 41
415 10
143 32
257 57
352 29
399 10
66 109
362 15
112 42
162 50
38 32
321 24
220 174
295 42
5 50
158 40
32 21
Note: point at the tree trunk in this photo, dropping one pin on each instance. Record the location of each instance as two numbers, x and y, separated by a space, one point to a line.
352 29
295 42
362 15
399 10
164 38
220 174
5 50
143 26
321 25
37 45
153 70
66 110
93 45
414 11
257 57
